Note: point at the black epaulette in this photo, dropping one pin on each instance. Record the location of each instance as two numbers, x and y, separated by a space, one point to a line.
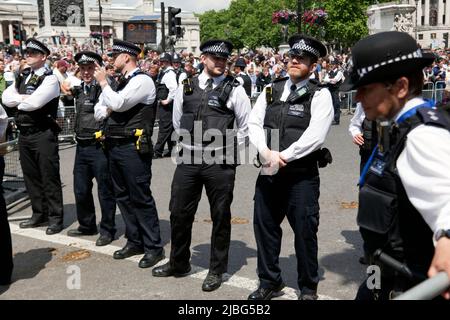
433 117
280 79
232 80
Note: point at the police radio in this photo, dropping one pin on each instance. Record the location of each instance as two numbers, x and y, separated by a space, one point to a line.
298 94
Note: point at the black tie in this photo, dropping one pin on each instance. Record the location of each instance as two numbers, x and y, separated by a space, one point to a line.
293 95
209 84
31 76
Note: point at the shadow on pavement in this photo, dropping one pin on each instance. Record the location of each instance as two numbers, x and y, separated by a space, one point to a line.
28 264
238 255
346 263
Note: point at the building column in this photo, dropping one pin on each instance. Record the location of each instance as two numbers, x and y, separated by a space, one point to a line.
419 13
427 12
1 32
441 12
447 13
11 33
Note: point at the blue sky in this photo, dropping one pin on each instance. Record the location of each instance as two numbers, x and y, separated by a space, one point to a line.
188 5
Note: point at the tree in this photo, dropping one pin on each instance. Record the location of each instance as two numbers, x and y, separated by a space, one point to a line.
248 23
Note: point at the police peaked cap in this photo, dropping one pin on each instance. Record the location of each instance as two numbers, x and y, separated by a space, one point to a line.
385 56
218 48
165 57
33 44
86 57
120 46
240 63
301 44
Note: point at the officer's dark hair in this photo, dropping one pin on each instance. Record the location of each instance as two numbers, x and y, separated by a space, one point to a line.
415 80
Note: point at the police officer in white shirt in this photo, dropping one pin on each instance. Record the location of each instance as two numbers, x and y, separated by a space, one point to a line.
130 115
404 200
166 86
210 103
297 113
36 95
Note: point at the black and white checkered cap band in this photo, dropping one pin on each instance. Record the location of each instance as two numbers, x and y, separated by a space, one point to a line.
414 55
34 46
86 59
220 48
118 48
302 46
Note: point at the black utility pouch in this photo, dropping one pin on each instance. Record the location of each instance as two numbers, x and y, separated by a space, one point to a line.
379 211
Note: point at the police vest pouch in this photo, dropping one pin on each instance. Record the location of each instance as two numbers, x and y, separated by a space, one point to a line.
380 212
187 122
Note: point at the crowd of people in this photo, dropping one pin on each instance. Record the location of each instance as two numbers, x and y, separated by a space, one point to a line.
118 95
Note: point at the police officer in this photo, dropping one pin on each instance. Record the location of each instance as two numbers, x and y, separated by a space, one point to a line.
165 93
90 158
364 134
178 68
6 258
242 77
405 191
334 79
209 103
35 96
130 114
297 114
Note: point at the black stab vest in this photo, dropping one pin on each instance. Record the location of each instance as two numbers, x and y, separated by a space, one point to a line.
247 83
85 123
291 120
162 92
386 216
43 117
210 108
370 135
140 116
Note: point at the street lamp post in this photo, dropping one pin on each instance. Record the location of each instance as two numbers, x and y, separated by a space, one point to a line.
101 27
417 18
299 15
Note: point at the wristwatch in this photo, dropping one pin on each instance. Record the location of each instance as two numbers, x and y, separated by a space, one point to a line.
441 233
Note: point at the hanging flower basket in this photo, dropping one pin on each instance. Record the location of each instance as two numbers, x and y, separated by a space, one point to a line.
283 17
315 17
98 35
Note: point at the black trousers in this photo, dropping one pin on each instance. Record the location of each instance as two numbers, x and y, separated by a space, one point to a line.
131 175
336 104
165 128
39 159
91 162
187 185
6 258
295 196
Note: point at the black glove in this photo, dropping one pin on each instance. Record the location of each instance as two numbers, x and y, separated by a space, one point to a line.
324 158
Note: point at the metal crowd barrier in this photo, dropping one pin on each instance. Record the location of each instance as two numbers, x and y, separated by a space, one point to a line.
433 91
428 289
13 183
66 121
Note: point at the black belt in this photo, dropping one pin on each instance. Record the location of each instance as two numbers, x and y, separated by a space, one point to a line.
86 142
28 130
112 142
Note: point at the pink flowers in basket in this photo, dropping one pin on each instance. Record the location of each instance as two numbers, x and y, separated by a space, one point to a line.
283 17
316 17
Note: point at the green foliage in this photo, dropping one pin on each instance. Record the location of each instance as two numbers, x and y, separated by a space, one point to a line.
248 23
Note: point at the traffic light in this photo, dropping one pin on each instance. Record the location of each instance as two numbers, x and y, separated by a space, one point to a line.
174 22
446 40
16 32
179 30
